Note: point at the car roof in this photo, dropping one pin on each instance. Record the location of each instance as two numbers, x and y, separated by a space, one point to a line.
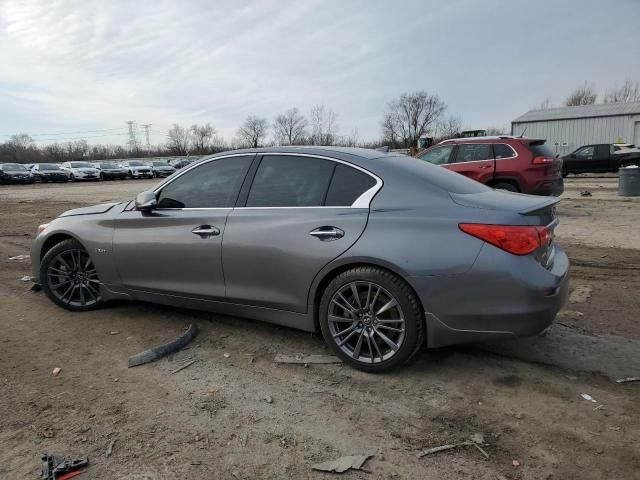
500 138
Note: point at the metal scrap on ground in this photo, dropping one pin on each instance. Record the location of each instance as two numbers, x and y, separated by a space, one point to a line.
628 380
476 440
19 257
164 349
302 359
342 464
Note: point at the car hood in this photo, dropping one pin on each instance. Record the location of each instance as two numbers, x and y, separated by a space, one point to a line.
13 173
139 167
93 210
504 201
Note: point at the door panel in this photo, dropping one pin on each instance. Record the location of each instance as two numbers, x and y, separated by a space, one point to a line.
158 252
270 258
474 161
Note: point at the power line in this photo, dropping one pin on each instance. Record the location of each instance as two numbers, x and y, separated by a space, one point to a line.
63 133
77 138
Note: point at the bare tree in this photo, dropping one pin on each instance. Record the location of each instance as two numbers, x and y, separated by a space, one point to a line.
628 92
411 116
546 104
324 126
495 131
290 127
77 150
253 131
178 140
584 95
449 127
203 138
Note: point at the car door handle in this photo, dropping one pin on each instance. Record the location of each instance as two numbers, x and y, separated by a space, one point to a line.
485 166
327 233
206 231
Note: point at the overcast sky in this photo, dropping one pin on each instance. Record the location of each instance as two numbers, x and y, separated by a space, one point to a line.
74 66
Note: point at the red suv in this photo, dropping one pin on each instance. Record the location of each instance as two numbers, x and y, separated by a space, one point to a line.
516 164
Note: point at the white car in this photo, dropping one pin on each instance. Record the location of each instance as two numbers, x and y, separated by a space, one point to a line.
81 171
137 169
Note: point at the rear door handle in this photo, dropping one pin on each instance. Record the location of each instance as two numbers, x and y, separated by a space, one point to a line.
327 233
485 166
206 231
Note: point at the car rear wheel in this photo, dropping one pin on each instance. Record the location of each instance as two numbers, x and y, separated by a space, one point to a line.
506 186
371 319
69 277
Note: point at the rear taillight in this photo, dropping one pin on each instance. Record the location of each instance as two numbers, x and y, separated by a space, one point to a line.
518 240
542 160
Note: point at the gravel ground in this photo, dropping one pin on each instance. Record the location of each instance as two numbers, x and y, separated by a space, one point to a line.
234 413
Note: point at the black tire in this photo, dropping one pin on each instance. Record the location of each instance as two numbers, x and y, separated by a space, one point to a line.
564 173
408 342
506 186
55 278
72 178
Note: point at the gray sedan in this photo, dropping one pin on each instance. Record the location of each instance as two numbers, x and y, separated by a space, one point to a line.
379 251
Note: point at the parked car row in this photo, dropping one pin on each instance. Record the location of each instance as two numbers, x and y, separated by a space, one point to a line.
87 171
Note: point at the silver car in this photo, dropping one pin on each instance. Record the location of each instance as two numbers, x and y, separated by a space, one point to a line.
379 251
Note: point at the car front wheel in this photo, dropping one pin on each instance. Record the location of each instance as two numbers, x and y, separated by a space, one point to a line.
69 277
371 319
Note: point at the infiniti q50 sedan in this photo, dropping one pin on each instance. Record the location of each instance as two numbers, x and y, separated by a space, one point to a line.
380 252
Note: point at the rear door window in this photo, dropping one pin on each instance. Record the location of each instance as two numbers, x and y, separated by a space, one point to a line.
473 152
347 184
439 155
290 181
500 150
211 185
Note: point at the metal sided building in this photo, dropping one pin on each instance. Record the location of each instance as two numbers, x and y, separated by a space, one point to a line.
568 128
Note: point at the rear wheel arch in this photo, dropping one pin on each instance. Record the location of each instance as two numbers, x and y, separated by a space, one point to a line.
328 277
510 181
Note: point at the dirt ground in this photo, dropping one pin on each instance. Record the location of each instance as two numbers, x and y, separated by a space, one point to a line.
234 413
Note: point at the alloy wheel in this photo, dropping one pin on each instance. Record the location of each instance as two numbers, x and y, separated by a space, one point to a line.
366 322
73 279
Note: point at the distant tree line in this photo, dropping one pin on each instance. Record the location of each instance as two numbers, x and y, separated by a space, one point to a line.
405 120
585 94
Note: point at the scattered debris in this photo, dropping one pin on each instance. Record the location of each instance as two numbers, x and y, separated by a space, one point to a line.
342 464
56 371
226 355
515 463
588 397
196 462
585 193
26 278
628 380
302 359
182 367
476 440
580 294
19 257
115 332
110 447
165 349
268 399
54 467
598 407
243 440
36 287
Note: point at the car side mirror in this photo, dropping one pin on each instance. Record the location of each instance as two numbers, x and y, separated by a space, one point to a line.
146 201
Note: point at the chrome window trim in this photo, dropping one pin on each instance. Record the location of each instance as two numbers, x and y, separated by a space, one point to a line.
512 149
363 201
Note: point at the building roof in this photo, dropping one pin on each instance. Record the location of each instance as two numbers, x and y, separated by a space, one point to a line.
581 111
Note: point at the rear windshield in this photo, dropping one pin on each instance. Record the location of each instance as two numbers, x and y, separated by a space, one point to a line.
539 149
81 165
48 166
437 176
13 168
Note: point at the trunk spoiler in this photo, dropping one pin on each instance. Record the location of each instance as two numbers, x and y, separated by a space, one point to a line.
548 202
504 201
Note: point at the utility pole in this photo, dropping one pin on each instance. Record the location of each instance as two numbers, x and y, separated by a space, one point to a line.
133 141
146 127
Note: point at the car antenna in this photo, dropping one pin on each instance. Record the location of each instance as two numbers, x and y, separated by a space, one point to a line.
523 132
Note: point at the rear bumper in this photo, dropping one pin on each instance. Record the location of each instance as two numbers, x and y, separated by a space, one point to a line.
553 188
502 296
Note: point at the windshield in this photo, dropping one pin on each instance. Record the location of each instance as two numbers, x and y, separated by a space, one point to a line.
13 168
81 165
160 164
48 166
108 165
135 163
